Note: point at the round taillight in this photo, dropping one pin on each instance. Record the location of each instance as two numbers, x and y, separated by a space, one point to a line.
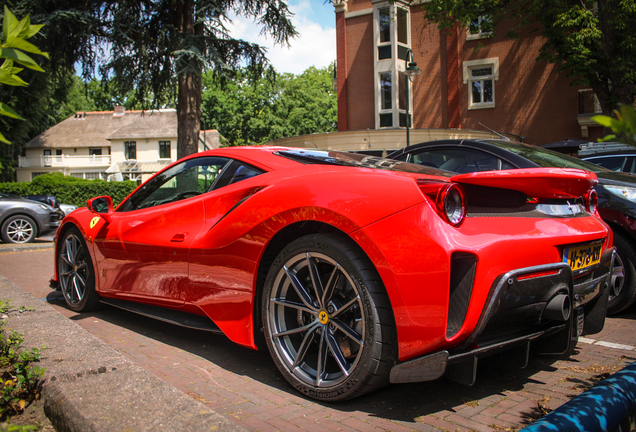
451 204
591 201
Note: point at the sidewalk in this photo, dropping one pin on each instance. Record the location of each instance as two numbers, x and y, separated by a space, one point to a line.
90 386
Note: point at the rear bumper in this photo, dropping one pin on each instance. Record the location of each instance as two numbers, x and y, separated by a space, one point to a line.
514 316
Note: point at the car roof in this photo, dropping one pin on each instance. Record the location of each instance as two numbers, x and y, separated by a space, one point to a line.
614 153
497 148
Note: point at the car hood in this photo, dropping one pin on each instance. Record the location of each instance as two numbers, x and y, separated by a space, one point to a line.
535 182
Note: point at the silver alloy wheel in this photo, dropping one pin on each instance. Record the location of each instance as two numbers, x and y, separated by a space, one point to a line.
20 230
316 320
617 279
73 269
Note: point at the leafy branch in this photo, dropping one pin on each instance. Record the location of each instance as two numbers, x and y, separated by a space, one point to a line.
623 126
14 48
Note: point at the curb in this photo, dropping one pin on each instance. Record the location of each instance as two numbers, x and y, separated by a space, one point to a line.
89 386
46 243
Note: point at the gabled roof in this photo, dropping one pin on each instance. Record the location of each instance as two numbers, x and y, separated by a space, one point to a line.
150 124
95 129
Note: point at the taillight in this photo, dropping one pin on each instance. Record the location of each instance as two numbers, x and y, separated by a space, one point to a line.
451 204
449 198
591 201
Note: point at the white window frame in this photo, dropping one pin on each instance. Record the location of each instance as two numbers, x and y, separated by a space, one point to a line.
480 34
467 67
394 64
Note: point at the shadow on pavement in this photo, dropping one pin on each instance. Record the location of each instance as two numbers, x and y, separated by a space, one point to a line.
403 402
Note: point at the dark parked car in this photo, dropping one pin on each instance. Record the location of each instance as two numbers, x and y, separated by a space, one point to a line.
22 220
616 191
624 161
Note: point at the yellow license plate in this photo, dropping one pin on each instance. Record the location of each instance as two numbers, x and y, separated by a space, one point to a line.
580 257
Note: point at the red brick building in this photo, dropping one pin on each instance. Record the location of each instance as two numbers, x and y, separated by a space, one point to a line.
468 80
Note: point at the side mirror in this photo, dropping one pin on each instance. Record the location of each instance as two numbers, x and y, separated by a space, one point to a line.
102 205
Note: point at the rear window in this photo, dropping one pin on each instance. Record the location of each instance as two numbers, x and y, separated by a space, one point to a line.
357 160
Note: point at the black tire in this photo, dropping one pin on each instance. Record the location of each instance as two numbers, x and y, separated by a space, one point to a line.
332 340
19 229
626 258
75 272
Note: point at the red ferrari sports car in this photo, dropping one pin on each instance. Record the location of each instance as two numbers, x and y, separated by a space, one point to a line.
354 271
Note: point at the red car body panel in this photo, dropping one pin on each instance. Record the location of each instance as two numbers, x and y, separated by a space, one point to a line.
203 254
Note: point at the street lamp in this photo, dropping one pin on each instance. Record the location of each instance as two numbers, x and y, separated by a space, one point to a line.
411 71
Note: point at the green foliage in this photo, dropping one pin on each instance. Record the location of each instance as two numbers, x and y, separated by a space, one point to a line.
20 378
247 110
13 48
592 41
70 190
623 126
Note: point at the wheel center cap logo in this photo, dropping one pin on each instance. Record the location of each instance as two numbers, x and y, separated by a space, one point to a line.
323 317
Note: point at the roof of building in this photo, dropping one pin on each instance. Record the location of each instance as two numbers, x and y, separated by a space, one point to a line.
149 124
95 129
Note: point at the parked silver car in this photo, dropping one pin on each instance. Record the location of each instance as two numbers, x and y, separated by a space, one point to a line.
22 220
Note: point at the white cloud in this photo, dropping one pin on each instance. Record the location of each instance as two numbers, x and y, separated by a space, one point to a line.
314 46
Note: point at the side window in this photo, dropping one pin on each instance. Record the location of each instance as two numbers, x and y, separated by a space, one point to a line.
629 164
185 180
612 163
236 172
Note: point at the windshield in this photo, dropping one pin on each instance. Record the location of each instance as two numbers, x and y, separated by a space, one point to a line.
327 157
547 158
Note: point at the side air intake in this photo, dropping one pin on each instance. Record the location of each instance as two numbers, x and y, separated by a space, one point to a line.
463 266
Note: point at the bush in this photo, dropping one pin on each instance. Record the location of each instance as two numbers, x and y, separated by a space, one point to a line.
70 190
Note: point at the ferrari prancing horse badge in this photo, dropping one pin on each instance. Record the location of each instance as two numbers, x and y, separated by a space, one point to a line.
94 221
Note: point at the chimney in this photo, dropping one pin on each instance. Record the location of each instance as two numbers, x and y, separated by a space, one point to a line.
119 111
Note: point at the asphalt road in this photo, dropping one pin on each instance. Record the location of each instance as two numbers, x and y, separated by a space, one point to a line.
245 387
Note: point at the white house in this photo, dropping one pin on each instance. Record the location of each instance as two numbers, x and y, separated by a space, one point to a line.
112 145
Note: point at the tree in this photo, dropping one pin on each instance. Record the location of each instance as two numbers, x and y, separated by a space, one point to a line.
592 41
14 48
246 110
154 42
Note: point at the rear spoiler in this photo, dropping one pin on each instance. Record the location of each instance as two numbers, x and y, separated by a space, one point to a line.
551 183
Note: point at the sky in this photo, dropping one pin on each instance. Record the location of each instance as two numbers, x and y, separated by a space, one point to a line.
314 46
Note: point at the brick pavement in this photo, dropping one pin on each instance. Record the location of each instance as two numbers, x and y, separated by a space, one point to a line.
245 387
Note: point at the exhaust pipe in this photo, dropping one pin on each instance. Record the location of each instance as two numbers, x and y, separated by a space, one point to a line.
558 309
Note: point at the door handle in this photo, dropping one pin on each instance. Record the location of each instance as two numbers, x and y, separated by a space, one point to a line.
178 237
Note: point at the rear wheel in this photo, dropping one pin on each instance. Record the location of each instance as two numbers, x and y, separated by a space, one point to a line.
75 272
327 319
19 229
625 259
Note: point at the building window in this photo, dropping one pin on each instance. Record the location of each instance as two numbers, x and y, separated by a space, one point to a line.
94 151
386 100
384 23
164 149
130 149
479 28
92 175
35 174
77 175
480 75
392 38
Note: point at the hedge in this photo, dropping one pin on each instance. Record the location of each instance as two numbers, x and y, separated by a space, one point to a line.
70 190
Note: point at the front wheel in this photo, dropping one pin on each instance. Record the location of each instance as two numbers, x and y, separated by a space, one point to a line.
327 319
75 272
19 229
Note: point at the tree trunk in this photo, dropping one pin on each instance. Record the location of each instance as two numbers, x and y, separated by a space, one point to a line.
188 114
189 97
